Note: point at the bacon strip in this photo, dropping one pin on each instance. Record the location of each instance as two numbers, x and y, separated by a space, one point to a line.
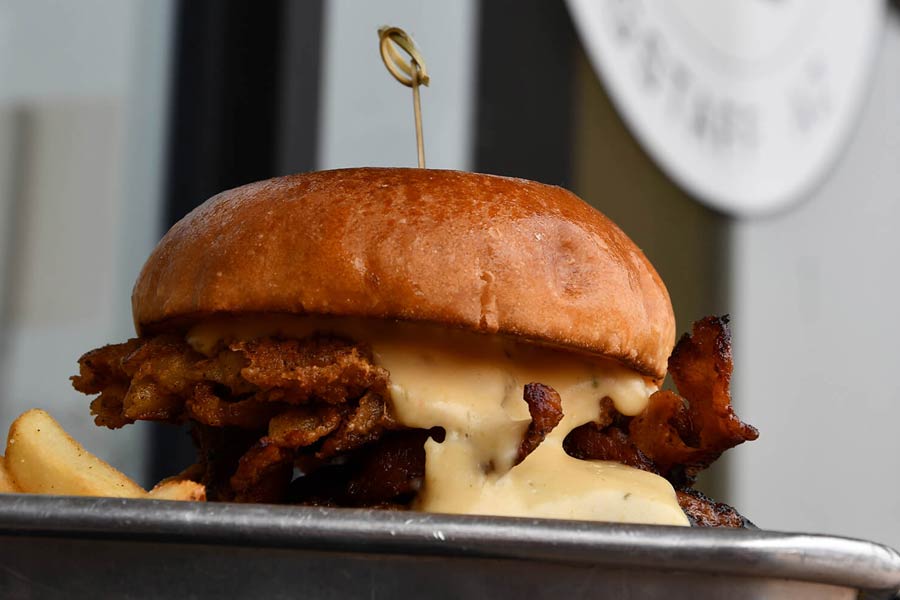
594 442
693 434
705 512
545 407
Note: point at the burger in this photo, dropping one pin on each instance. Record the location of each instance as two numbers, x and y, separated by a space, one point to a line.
426 340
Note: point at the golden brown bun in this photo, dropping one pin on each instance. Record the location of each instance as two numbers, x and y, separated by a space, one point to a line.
484 253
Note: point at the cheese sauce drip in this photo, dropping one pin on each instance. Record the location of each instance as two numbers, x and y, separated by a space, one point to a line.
472 386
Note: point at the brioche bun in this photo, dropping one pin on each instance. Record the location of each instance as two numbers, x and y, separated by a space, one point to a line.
483 253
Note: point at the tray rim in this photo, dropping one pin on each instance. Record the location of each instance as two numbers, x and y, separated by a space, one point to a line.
814 558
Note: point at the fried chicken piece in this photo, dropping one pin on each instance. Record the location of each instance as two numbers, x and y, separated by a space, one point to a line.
321 368
109 406
298 427
219 449
256 405
206 407
101 372
101 368
166 361
156 373
366 423
148 400
224 371
263 473
342 429
162 378
386 473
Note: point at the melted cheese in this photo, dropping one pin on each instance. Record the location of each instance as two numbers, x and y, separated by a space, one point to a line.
472 386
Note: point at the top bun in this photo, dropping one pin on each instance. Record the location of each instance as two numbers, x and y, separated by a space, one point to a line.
479 252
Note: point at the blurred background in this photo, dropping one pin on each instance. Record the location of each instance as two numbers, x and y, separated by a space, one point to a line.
750 147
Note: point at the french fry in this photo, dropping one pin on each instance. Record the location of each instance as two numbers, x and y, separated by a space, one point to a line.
43 459
7 484
178 489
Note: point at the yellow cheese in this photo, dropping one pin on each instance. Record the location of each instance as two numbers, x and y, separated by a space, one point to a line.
472 386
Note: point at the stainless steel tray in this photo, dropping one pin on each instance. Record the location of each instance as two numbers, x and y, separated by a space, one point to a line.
91 548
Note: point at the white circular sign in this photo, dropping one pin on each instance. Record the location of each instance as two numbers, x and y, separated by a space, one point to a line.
744 103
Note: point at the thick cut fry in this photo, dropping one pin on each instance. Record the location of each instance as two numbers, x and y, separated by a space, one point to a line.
178 489
7 484
43 459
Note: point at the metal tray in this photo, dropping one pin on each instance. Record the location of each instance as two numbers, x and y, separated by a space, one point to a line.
91 548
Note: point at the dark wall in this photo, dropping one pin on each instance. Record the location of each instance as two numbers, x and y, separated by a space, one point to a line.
526 82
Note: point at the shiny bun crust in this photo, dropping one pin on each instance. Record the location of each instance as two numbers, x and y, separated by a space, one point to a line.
479 252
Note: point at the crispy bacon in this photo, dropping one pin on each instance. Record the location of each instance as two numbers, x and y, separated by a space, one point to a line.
691 435
545 407
704 512
591 441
